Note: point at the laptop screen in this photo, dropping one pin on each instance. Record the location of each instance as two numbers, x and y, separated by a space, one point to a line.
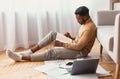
83 66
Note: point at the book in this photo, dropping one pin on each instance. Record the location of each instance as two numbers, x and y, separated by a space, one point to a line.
62 38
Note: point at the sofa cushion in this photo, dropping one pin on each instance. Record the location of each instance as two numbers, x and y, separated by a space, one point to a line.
105 36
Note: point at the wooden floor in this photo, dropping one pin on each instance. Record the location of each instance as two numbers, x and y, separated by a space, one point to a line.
25 70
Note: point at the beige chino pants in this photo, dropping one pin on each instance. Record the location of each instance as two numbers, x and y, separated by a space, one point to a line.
56 52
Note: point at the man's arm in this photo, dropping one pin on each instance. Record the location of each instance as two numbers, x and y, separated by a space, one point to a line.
58 43
83 41
79 45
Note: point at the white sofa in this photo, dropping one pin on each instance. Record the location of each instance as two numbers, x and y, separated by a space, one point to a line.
108 34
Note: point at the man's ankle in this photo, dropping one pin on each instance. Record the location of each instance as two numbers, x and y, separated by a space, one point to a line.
35 48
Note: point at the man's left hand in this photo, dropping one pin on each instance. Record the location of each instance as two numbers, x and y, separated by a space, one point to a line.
58 43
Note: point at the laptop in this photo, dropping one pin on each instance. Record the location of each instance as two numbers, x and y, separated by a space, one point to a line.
84 66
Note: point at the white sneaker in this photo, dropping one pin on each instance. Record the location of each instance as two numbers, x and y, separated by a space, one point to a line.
13 55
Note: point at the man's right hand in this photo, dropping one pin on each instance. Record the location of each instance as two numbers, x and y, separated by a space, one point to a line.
67 34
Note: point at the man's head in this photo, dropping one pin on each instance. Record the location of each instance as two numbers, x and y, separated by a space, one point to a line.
82 14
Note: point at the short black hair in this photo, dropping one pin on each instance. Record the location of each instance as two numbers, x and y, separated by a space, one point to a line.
82 11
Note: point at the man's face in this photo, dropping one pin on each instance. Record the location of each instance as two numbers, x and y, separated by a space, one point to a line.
80 19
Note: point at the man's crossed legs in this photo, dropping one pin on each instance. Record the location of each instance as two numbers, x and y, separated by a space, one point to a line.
49 54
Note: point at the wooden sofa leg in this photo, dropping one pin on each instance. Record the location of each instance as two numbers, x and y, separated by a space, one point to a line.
116 75
101 49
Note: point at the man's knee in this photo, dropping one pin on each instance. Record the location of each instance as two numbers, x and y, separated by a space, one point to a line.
53 34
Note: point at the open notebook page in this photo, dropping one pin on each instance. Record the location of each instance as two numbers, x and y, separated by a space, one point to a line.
63 38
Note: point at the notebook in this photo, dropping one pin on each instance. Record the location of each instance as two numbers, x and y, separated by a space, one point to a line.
83 66
63 38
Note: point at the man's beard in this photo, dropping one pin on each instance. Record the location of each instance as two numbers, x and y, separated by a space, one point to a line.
83 22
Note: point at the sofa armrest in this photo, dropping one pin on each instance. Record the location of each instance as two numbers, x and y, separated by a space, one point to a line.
117 39
106 17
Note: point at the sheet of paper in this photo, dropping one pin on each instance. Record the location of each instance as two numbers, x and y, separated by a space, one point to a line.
59 73
57 69
101 72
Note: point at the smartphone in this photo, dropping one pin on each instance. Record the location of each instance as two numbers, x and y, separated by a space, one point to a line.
69 63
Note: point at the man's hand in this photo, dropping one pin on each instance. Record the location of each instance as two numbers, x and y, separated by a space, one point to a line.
67 34
58 43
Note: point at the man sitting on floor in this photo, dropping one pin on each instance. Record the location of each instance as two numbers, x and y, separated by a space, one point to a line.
80 46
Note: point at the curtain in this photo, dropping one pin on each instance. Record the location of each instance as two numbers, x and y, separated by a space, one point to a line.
25 22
